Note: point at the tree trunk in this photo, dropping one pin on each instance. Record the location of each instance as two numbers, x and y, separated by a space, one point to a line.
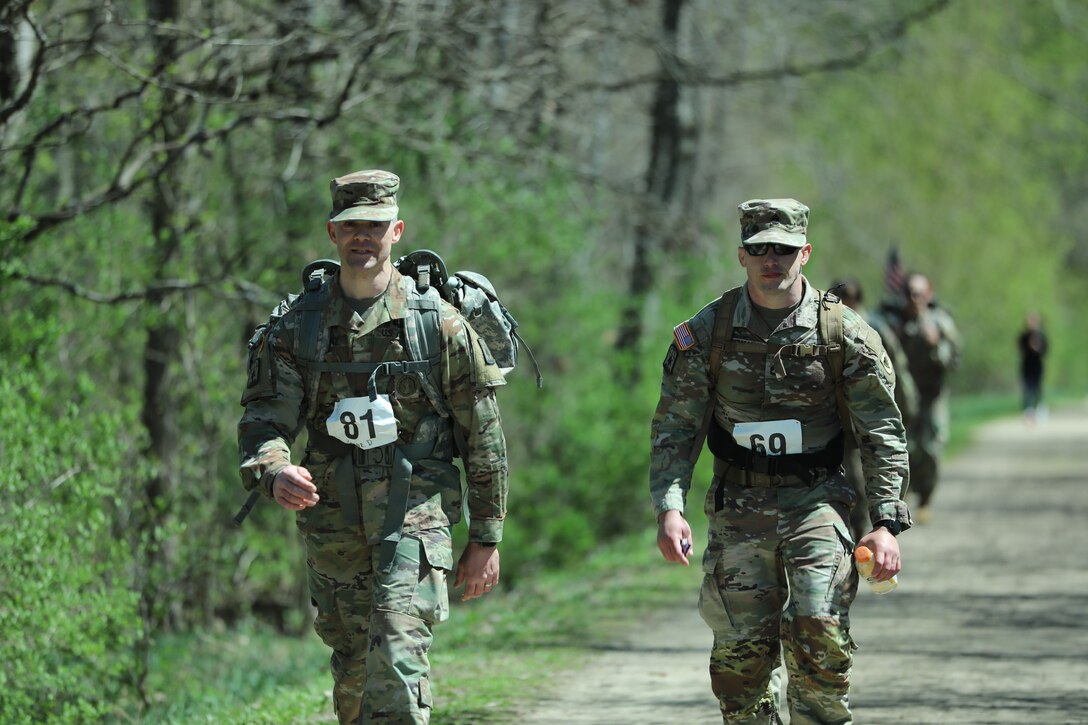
666 182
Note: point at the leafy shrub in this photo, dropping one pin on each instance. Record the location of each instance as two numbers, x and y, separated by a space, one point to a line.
67 607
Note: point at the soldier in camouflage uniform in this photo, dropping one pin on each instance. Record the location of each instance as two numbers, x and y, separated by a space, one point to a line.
778 563
933 348
906 399
378 579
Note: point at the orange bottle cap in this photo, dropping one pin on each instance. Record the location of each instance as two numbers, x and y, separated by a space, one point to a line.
862 553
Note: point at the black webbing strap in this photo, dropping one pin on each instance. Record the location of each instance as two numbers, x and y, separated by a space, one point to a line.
729 451
251 501
320 366
346 490
400 485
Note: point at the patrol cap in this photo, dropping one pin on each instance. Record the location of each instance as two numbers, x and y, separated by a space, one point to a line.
773 221
365 195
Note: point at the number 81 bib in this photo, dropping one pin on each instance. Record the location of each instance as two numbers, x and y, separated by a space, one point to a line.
363 422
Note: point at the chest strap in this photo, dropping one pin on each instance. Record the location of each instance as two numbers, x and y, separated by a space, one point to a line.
777 352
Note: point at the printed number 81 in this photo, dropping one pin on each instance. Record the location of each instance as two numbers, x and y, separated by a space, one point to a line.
351 428
776 444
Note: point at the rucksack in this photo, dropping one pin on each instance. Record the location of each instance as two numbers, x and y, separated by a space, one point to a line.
470 292
830 330
476 299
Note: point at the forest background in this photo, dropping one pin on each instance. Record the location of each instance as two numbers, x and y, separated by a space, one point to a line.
164 178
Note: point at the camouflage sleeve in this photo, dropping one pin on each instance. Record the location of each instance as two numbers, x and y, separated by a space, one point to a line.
678 420
950 347
469 379
273 407
868 387
906 391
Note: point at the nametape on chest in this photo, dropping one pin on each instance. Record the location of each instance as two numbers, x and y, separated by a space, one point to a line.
684 339
363 422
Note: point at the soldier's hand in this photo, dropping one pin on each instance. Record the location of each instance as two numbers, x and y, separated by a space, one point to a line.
294 489
478 570
885 548
674 537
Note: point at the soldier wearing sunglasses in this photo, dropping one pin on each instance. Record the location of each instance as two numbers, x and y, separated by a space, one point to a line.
753 372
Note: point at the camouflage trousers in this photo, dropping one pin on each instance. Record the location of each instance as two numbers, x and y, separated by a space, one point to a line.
926 439
778 583
379 625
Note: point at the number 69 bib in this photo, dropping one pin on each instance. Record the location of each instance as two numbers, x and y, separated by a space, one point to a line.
770 437
363 422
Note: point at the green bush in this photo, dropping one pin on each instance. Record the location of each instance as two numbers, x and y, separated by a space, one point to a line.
67 606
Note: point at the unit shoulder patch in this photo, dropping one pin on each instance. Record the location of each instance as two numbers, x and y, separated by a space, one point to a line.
670 359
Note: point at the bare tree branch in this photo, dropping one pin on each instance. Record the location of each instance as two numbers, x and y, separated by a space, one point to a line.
691 74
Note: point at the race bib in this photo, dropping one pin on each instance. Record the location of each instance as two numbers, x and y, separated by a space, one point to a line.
363 422
769 437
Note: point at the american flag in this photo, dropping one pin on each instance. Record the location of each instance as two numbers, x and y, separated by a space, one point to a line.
684 338
894 279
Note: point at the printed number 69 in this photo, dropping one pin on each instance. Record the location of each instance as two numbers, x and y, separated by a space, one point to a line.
776 444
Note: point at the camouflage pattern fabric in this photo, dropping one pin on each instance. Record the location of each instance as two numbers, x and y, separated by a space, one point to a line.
906 399
770 543
379 626
380 650
774 540
929 365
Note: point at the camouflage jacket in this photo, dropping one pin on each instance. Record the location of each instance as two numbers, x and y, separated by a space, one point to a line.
906 391
929 364
749 391
277 407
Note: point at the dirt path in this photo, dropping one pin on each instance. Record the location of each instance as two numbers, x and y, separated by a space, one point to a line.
988 625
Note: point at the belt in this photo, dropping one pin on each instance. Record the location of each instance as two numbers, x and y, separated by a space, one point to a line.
807 466
755 479
381 457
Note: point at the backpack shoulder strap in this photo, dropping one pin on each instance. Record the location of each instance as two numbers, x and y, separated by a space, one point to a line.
315 296
720 335
423 338
829 321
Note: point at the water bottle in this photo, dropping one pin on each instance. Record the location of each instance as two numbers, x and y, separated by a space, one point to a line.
864 558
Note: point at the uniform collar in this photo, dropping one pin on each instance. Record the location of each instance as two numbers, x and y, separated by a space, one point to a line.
803 316
391 305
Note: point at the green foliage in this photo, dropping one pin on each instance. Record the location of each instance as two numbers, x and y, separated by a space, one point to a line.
950 154
67 607
960 144
251 674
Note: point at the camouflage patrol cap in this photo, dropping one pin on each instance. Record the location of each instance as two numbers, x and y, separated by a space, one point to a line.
365 195
773 221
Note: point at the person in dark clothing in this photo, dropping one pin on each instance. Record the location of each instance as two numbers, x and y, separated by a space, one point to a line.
1033 346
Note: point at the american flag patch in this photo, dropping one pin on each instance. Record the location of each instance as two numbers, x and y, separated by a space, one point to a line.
684 339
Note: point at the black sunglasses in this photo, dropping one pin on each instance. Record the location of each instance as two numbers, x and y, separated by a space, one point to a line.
758 250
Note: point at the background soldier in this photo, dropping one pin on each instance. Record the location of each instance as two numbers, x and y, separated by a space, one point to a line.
932 346
377 493
906 397
778 568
